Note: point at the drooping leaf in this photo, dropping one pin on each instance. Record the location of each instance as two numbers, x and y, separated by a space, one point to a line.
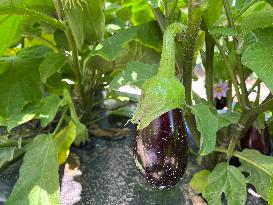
48 109
52 64
213 12
207 124
63 139
38 183
259 19
228 180
260 169
6 154
20 82
258 56
93 20
134 74
199 181
147 34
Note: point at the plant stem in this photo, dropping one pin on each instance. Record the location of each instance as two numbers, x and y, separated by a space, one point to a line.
229 96
209 67
173 9
257 100
244 9
166 9
34 14
244 96
257 82
57 128
230 70
12 143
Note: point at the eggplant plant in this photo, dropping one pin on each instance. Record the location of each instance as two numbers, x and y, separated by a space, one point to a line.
56 55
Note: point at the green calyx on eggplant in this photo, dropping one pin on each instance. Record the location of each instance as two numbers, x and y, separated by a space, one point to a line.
160 148
257 139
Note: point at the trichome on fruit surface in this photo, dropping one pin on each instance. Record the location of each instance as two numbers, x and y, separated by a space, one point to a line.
257 139
160 150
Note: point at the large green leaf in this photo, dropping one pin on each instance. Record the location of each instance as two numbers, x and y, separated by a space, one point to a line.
228 180
147 34
134 74
213 12
270 194
20 82
207 124
260 169
52 64
259 19
258 56
63 139
6 154
38 183
228 118
11 26
48 109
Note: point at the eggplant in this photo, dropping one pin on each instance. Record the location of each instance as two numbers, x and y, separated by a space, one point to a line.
220 103
160 150
259 140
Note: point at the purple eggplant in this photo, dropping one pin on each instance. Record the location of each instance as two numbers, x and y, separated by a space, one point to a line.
259 140
160 150
220 104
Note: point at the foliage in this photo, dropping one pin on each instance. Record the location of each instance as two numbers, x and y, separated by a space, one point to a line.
56 55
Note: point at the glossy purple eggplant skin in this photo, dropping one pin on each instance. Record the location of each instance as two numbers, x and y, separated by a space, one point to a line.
220 104
253 139
160 150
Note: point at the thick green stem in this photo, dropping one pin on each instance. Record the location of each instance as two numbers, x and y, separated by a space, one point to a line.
209 67
167 62
34 14
244 96
57 128
13 143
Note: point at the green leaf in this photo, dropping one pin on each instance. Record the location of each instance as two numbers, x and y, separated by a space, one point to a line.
222 31
134 74
20 82
28 113
63 140
228 180
213 12
207 124
228 118
260 169
11 26
258 57
38 182
93 20
52 64
48 109
113 47
6 154
199 181
259 19
160 95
